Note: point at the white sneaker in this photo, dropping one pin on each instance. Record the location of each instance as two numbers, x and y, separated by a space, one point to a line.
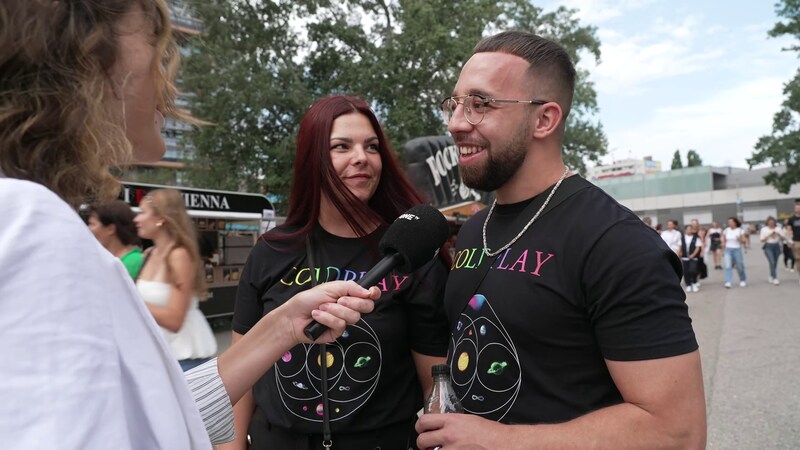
688 288
771 280
727 285
776 281
696 287
742 284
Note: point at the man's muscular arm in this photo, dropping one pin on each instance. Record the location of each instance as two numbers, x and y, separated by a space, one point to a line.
664 408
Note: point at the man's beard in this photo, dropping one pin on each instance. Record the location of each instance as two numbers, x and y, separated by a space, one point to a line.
501 164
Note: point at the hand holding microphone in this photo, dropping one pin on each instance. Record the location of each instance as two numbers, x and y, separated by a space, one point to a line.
410 241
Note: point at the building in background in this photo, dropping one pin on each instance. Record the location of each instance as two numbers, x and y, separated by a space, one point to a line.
624 168
708 194
179 151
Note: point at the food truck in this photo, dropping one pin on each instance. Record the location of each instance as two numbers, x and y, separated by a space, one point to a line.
228 224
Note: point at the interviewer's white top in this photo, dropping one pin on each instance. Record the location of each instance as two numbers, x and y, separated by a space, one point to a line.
82 362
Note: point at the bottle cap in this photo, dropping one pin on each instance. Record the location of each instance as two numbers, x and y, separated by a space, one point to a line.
440 369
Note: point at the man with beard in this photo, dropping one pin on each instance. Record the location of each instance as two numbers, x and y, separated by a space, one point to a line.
569 325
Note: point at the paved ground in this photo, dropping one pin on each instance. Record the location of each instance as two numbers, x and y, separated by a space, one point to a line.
750 344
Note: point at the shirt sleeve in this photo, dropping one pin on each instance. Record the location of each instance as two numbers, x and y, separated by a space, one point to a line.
133 263
212 401
634 298
248 307
427 322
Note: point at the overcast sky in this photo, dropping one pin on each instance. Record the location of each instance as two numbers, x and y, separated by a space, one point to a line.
686 74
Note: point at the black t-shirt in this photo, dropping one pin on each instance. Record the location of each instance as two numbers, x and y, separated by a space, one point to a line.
372 378
794 222
588 281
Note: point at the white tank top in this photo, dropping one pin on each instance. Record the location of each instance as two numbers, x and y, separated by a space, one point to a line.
195 338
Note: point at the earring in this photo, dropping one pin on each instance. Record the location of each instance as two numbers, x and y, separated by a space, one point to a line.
159 224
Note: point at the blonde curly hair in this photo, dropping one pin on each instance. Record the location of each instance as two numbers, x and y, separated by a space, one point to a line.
56 58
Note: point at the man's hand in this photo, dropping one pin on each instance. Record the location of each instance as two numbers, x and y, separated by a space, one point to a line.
335 305
461 432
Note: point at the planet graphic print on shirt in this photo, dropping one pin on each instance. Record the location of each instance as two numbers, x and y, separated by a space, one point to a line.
354 368
483 360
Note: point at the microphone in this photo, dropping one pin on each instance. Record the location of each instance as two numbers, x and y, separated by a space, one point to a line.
411 240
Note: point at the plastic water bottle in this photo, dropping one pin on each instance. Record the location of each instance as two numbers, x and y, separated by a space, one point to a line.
443 398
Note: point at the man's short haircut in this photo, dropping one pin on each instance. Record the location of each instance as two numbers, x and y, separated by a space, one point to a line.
549 62
119 214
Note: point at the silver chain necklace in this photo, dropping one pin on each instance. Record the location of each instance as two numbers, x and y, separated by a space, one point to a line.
524 229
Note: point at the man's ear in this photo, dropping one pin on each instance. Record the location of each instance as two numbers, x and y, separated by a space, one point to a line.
547 120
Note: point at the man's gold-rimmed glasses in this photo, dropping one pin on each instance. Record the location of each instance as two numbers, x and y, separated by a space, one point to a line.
475 106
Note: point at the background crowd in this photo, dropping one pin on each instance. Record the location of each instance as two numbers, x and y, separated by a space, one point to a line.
699 244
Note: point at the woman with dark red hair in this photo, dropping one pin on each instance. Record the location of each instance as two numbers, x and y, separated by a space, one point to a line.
347 188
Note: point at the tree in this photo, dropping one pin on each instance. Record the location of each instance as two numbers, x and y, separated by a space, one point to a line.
259 64
693 159
676 160
782 146
247 84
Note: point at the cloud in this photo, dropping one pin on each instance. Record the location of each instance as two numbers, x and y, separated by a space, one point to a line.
667 49
723 128
675 76
599 11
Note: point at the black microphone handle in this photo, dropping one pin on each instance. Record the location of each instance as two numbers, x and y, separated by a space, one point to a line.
315 329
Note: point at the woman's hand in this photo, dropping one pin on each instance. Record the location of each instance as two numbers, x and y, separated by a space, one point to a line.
335 305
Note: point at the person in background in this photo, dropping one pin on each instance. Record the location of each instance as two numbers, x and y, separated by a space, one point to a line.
733 238
173 277
672 236
578 336
788 252
648 221
770 237
702 233
112 224
692 248
347 187
793 230
83 86
715 244
747 230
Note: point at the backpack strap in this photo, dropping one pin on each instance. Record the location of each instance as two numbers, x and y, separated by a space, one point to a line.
327 440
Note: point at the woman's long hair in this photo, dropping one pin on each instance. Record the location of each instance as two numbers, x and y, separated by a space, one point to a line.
168 205
56 58
314 175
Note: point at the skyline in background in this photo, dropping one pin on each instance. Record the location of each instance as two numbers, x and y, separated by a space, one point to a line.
683 75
